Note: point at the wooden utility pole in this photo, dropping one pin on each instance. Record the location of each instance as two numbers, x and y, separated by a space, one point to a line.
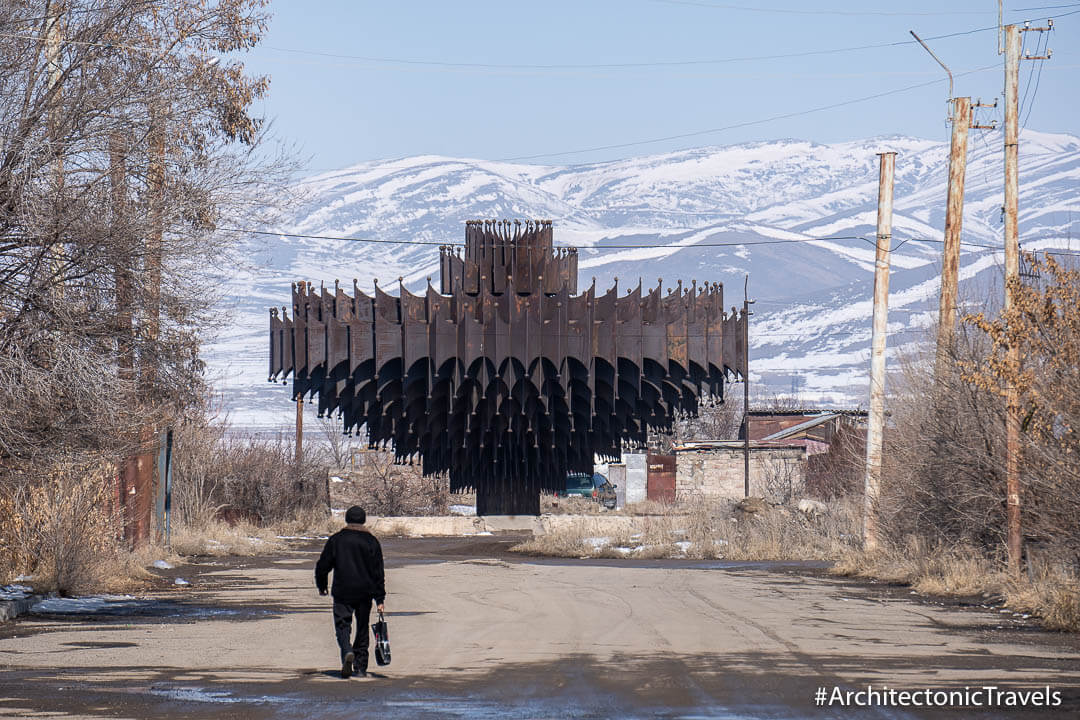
876 425
53 44
144 487
299 432
1012 278
954 218
128 475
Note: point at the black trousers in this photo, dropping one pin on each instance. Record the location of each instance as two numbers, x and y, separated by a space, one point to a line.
343 612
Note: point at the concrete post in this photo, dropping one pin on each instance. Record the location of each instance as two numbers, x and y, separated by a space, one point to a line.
954 217
1012 277
875 429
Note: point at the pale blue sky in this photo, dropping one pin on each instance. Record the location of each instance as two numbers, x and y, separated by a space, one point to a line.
434 78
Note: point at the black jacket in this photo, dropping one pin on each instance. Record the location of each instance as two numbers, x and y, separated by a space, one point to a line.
355 556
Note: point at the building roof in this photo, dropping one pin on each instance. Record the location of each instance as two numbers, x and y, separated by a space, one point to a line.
737 445
801 427
809 412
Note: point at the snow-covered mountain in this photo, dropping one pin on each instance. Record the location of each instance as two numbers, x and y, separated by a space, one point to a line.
718 212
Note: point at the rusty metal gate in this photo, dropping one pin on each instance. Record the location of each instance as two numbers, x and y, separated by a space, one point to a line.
661 478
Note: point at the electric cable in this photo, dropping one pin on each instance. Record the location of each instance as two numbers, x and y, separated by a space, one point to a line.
849 13
642 246
1038 79
748 123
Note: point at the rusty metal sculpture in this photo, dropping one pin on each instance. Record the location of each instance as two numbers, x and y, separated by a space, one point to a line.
507 379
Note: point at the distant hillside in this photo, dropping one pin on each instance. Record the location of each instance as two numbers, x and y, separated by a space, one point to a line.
811 329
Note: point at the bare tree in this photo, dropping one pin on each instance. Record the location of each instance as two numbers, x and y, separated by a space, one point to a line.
339 445
126 141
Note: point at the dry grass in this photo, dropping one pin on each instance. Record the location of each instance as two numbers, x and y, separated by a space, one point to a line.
576 505
58 527
707 530
1052 593
219 538
398 529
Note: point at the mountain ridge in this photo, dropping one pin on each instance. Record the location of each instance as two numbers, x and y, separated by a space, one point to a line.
798 216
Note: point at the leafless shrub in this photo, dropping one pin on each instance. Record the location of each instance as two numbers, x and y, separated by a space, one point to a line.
387 489
781 478
222 475
841 471
942 479
339 446
716 419
942 507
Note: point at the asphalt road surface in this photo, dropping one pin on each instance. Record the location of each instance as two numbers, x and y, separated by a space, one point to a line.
477 632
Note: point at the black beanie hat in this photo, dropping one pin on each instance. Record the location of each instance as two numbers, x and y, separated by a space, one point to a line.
355 515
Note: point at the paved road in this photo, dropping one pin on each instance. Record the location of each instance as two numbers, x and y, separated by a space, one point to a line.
479 633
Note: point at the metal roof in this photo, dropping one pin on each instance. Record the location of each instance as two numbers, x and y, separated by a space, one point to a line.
796 429
735 445
809 412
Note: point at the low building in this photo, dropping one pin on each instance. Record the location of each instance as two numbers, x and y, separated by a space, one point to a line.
835 442
715 469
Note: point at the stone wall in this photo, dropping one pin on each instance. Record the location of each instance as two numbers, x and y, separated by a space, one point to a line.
778 473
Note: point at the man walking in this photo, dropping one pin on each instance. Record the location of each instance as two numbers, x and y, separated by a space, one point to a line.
355 556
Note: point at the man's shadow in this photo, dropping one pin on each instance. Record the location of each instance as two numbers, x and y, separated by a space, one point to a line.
336 674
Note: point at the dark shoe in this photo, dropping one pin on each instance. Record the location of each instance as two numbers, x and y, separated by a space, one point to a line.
361 673
347 665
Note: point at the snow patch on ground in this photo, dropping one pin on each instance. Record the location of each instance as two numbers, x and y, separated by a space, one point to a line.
15 592
81 605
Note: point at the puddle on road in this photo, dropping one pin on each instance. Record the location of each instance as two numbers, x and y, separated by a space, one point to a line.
479 709
201 695
409 706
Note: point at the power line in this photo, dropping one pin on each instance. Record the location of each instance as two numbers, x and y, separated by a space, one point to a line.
604 247
748 123
642 246
616 66
788 11
625 65
1040 50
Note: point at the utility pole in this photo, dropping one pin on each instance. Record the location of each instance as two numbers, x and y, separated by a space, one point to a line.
954 218
127 478
747 302
53 41
1014 535
299 433
876 425
1012 276
960 117
144 490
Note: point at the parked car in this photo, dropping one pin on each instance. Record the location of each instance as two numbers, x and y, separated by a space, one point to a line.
595 487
